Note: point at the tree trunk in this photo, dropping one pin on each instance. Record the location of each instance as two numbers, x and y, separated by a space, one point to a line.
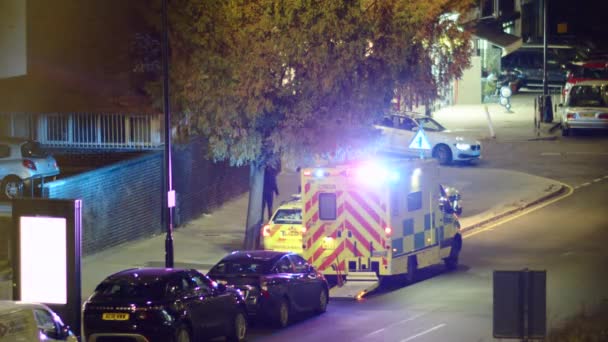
254 209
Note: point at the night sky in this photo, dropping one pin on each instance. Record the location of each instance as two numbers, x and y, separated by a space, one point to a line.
585 18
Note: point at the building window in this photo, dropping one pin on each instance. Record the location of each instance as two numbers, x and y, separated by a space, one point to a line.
327 206
414 201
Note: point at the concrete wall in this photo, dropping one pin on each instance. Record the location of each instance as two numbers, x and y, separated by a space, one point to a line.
13 59
467 90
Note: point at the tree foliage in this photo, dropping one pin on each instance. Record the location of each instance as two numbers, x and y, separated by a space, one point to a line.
299 77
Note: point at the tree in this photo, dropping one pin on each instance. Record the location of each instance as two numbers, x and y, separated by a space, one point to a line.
270 79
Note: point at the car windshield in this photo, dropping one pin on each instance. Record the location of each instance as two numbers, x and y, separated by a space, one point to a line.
293 216
124 289
240 266
429 124
588 96
33 149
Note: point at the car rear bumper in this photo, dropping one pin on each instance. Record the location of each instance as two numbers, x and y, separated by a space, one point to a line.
581 124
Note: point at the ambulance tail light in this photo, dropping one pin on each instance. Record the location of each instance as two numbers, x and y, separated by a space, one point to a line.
307 173
388 231
266 231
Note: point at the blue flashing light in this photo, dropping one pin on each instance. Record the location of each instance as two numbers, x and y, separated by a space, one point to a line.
319 173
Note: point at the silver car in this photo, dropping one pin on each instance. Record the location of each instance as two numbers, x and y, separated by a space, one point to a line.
23 162
586 107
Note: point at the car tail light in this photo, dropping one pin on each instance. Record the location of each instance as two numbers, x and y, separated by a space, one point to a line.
29 164
264 289
571 116
266 231
603 116
388 231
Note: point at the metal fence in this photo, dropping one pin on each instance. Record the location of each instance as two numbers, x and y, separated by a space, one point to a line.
88 130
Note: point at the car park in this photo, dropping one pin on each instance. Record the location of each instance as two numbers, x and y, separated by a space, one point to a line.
23 162
585 108
163 304
21 321
399 131
283 232
276 284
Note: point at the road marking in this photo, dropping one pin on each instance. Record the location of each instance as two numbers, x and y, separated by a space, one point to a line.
606 176
396 323
585 184
551 154
524 212
597 180
424 332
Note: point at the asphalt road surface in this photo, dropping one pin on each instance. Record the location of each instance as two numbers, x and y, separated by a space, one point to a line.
567 238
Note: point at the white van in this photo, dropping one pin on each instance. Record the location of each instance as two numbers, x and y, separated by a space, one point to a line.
27 322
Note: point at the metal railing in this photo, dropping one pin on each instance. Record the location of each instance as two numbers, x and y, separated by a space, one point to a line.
93 130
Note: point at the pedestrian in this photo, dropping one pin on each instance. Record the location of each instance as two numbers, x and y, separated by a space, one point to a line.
270 189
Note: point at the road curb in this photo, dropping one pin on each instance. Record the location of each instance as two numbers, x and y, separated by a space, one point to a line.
544 198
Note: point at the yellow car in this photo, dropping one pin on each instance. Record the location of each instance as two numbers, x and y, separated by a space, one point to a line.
284 231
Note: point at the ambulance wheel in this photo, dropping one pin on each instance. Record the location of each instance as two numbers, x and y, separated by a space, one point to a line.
451 262
412 269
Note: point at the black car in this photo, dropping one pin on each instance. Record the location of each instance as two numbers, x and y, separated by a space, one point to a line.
275 284
163 304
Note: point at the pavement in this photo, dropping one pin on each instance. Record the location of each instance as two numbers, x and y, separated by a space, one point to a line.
497 193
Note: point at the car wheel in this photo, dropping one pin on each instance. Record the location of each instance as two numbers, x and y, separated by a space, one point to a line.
238 328
182 334
451 262
412 269
323 299
12 187
282 314
443 154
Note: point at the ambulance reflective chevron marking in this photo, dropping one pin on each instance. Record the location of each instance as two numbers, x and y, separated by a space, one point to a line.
378 219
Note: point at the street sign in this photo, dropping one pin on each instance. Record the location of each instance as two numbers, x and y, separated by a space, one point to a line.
520 304
420 142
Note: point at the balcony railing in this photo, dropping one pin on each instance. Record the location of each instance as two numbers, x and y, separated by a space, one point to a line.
89 130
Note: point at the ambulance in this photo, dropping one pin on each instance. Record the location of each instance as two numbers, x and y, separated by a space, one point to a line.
283 232
365 221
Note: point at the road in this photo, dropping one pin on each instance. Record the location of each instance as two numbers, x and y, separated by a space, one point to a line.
566 238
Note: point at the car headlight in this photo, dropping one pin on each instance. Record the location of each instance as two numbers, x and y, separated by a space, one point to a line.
462 146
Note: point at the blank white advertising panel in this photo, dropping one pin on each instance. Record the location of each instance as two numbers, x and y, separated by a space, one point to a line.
43 257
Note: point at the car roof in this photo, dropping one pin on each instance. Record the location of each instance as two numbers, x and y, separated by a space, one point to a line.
10 305
262 255
294 204
146 273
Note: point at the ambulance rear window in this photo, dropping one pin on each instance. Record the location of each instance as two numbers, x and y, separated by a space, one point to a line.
327 206
284 216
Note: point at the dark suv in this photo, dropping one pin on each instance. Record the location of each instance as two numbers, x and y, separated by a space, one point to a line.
163 304
276 284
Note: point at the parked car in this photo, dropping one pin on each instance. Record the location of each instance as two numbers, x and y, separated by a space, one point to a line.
399 131
276 284
163 304
284 230
22 163
585 71
21 321
586 107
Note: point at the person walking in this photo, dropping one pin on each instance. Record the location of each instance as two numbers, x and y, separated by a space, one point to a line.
270 189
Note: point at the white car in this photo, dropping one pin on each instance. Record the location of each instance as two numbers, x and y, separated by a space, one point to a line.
23 162
401 135
28 322
586 107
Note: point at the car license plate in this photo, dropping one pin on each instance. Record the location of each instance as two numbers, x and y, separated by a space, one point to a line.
114 316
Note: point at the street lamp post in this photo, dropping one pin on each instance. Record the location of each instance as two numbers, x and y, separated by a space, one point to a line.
170 194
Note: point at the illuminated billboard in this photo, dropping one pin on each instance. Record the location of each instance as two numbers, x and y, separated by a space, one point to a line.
43 259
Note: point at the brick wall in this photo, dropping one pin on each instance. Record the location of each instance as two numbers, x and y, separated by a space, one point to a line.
122 202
